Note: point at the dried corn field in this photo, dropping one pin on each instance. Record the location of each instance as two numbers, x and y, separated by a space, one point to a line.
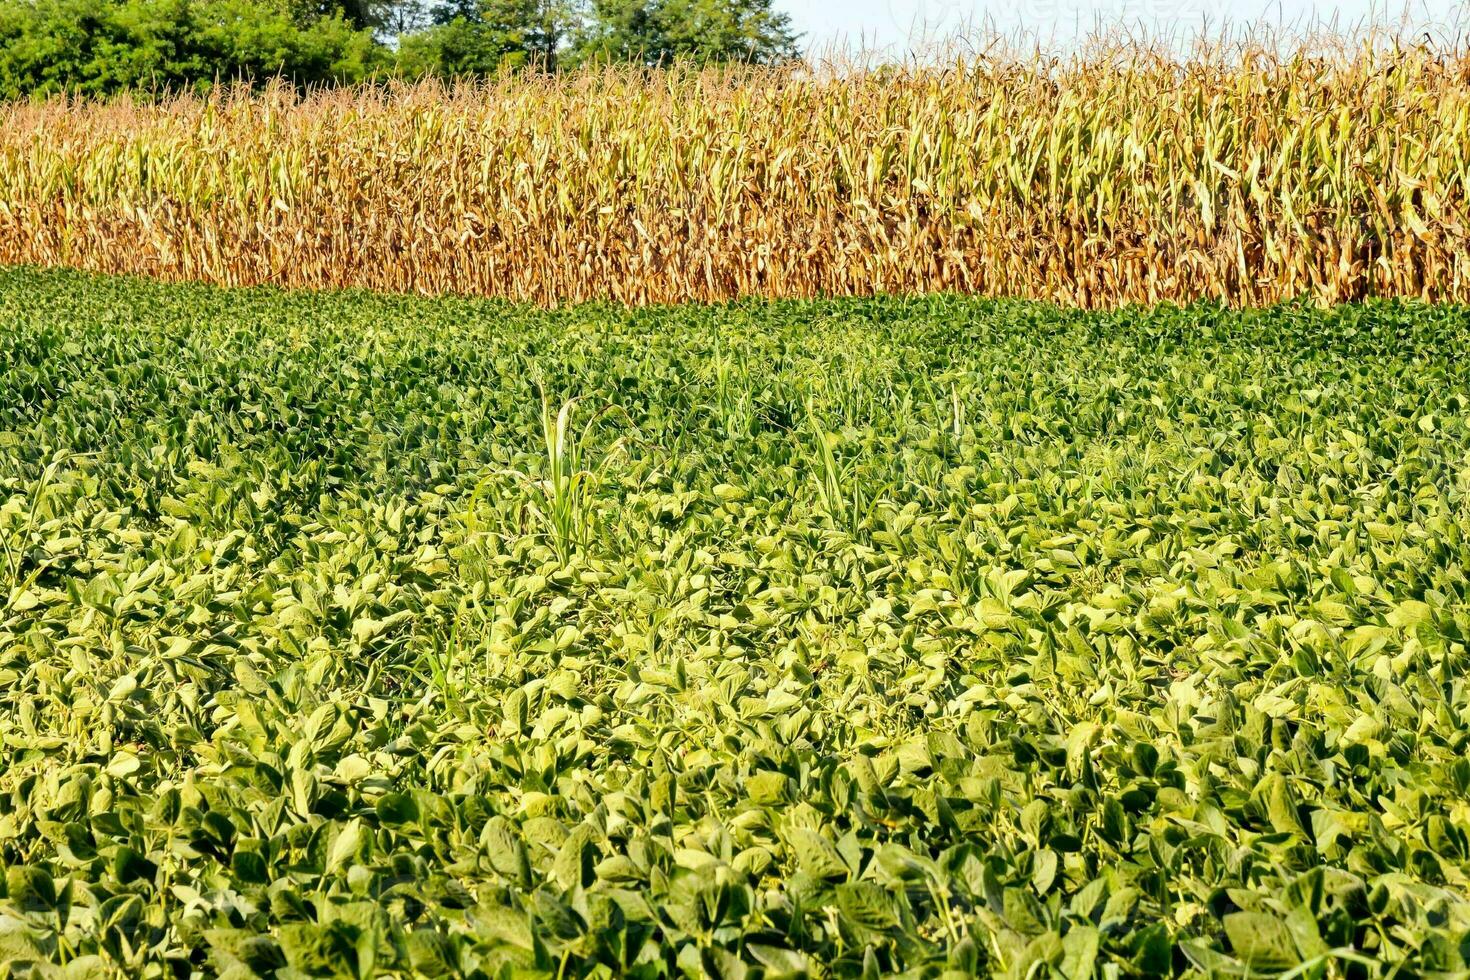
1105 180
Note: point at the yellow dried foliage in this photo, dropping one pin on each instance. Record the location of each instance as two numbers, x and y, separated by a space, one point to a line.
1099 181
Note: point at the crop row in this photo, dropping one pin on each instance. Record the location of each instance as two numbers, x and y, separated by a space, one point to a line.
834 639
1240 176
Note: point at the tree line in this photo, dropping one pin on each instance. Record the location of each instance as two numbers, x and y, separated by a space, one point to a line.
98 47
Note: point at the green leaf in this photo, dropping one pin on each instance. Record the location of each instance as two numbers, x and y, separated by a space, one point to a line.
768 787
1261 941
780 962
815 855
31 889
555 916
576 860
397 809
1280 803
1079 952
348 845
867 905
250 867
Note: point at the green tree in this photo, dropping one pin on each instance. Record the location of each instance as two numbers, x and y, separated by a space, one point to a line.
104 46
480 37
657 32
359 13
98 47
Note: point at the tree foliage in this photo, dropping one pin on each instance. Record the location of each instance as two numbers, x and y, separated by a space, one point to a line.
358 13
91 47
657 32
479 37
103 46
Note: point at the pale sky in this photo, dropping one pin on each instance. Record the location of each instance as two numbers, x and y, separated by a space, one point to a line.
897 25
